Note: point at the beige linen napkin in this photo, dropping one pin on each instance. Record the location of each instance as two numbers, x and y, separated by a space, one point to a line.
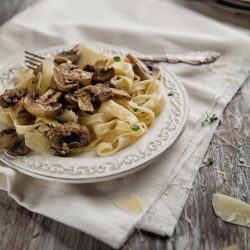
147 26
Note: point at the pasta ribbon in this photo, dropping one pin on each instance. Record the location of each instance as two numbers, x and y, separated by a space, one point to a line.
45 76
114 109
113 124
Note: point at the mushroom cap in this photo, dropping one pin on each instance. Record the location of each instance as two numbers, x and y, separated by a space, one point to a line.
144 71
70 56
96 93
40 106
100 72
64 138
21 112
13 142
103 92
7 137
11 96
18 148
68 77
14 98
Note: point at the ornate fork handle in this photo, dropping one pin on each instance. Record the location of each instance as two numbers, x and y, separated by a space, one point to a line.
190 57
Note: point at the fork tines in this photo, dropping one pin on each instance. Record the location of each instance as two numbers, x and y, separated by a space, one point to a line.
32 60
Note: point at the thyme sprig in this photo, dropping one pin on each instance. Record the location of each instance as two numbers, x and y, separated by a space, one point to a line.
209 119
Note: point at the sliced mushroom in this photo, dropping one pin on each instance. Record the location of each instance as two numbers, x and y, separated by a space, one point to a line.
7 137
46 105
11 96
100 73
21 112
13 142
68 77
70 56
101 85
64 138
14 98
119 94
103 93
84 102
96 93
154 69
115 93
144 71
18 148
70 101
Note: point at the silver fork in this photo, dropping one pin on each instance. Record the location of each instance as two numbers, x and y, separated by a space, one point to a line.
191 57
32 61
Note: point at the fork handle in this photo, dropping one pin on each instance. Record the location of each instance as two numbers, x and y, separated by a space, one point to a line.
190 57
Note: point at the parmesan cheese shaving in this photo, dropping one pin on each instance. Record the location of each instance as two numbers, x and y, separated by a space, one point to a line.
231 210
232 247
132 204
91 55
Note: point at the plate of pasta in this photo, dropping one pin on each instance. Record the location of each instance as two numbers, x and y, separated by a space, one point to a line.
88 113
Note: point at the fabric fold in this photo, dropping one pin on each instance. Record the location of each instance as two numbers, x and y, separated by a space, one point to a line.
159 27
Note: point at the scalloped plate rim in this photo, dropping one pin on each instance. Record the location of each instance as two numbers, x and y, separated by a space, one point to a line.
118 174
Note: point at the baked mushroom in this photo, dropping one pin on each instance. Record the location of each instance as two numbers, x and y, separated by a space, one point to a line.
46 105
20 111
100 72
96 93
64 138
18 148
119 94
7 137
70 56
144 71
14 98
70 101
84 102
11 96
68 77
103 92
13 142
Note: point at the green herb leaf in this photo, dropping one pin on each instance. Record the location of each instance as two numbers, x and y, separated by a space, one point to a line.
170 94
208 160
33 82
209 119
213 118
135 127
118 78
117 58
142 112
135 109
139 104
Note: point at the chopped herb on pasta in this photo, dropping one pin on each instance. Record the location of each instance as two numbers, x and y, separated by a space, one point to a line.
82 100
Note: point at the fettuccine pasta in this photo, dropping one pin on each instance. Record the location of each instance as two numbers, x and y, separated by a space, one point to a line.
113 124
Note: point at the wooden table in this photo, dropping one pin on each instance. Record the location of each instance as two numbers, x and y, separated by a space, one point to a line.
198 227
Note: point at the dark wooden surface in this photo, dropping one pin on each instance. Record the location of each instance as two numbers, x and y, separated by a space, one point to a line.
198 228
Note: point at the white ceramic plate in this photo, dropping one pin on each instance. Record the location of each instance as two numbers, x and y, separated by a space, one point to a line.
89 167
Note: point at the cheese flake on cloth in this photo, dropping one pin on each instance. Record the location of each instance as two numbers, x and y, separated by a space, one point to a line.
132 204
231 210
